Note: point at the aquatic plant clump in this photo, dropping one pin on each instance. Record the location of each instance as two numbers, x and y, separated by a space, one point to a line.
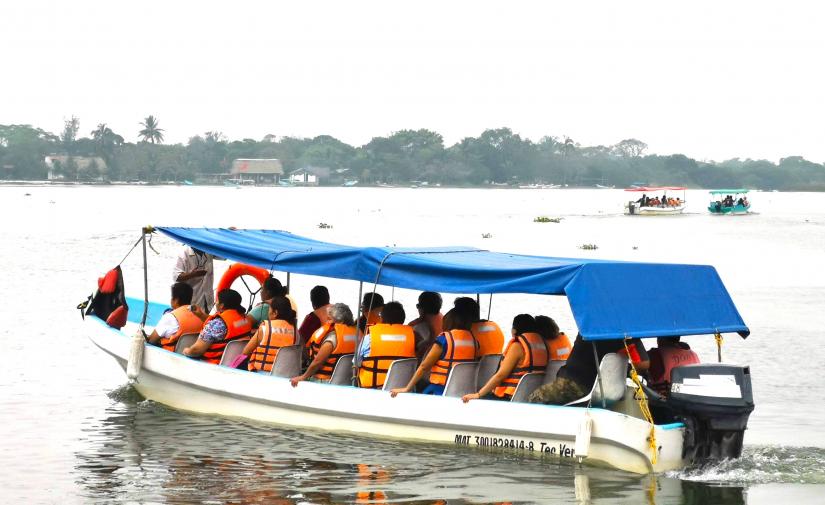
545 219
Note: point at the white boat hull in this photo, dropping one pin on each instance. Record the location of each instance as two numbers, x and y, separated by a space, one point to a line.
618 440
655 211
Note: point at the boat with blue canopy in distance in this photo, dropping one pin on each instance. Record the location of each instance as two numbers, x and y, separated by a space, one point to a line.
619 424
656 201
731 202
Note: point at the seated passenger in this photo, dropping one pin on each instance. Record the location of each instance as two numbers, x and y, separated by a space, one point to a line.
385 342
669 354
455 345
489 336
331 341
181 320
229 323
371 307
525 353
557 342
576 378
319 296
271 288
428 324
276 332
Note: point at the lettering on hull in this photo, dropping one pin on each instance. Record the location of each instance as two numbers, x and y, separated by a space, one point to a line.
552 449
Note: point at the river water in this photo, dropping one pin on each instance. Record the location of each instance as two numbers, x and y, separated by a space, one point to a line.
75 432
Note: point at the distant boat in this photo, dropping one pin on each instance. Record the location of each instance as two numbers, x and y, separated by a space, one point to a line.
349 184
658 205
730 202
599 186
187 183
540 186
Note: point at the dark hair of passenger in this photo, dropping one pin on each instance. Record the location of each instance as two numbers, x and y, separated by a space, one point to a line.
272 287
546 327
429 303
281 305
372 301
182 292
393 313
524 323
319 296
454 319
231 299
468 306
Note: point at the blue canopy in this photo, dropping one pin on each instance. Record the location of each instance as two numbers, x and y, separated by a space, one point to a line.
603 295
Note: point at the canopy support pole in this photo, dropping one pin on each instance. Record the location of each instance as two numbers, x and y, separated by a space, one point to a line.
287 282
356 360
146 230
598 374
490 307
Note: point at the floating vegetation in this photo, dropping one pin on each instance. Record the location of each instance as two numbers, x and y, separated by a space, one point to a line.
635 247
589 247
325 226
486 235
545 219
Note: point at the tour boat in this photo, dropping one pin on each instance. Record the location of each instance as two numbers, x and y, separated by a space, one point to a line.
731 202
704 417
643 207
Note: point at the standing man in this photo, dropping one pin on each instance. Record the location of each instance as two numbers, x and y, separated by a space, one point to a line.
194 267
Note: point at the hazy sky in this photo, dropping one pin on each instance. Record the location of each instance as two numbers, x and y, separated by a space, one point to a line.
713 80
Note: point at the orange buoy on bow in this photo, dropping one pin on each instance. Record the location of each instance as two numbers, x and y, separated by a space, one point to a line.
239 269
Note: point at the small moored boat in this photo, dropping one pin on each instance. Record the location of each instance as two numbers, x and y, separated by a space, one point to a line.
619 424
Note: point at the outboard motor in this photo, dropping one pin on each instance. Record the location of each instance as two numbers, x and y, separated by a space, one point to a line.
714 402
631 207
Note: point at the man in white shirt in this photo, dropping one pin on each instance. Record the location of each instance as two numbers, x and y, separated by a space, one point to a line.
194 267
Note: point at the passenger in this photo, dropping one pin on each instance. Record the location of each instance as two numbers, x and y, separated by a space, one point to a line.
228 324
384 343
319 296
194 267
557 342
576 378
276 332
455 345
334 339
371 307
745 201
669 354
489 336
271 288
181 320
428 325
642 201
526 352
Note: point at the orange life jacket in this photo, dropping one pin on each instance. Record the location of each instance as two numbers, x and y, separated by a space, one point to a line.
345 339
489 336
671 358
274 335
461 348
560 347
534 359
388 342
237 326
188 322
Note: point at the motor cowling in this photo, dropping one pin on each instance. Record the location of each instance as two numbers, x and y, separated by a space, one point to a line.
714 402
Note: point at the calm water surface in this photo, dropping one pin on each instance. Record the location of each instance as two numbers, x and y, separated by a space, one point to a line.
76 433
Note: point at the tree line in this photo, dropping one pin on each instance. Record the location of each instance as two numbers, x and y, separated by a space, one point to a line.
498 156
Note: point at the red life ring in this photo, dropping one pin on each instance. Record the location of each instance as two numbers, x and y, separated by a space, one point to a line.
237 270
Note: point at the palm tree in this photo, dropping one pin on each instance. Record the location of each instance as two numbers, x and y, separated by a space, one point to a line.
151 132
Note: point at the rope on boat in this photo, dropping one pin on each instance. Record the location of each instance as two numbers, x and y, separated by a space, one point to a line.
641 397
719 341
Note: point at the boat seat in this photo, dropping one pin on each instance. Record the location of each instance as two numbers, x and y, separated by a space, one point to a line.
552 369
487 367
287 362
400 373
613 371
342 373
232 350
526 385
462 380
185 341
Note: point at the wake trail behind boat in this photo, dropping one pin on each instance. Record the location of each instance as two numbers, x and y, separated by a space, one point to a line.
763 465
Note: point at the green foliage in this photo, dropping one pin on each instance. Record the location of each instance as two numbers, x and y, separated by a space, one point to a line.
497 156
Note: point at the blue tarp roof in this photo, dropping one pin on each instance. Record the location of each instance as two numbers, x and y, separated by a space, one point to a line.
603 295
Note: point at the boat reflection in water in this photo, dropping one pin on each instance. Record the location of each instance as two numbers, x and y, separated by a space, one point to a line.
144 452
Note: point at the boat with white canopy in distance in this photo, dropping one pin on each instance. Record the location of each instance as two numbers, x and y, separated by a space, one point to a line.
731 202
621 423
656 201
